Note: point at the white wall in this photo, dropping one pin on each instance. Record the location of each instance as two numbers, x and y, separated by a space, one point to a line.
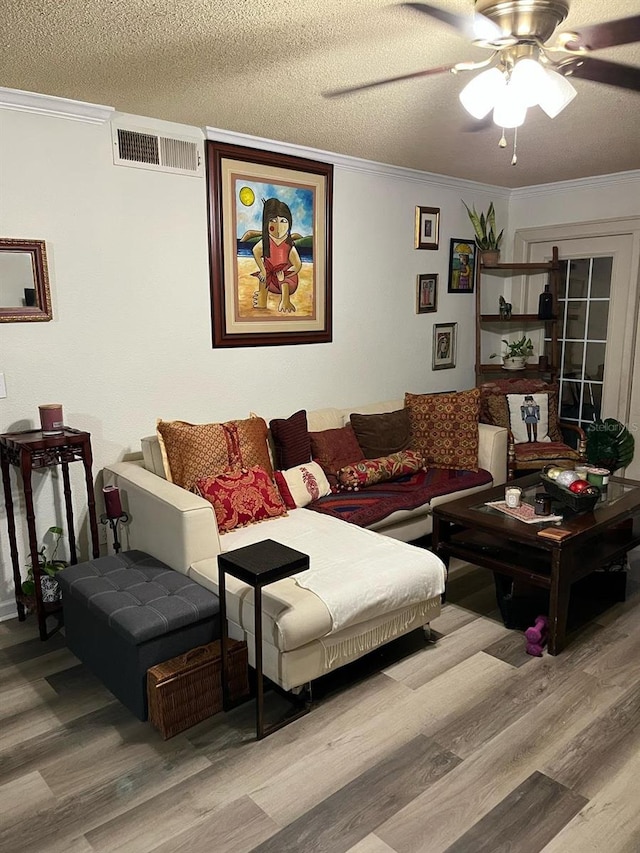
130 339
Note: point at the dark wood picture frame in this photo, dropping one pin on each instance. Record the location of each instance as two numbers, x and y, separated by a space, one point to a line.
462 266
427 293
252 305
427 228
32 293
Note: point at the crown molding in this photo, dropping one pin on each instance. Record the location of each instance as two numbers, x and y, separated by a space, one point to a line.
592 182
354 164
32 102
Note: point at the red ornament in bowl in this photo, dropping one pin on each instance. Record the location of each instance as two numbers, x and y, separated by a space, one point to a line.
579 486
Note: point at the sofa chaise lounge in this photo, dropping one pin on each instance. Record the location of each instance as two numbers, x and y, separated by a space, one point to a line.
354 608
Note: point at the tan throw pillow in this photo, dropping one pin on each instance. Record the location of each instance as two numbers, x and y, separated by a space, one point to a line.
191 451
444 428
381 434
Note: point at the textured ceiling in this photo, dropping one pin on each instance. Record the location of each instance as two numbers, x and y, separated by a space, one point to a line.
260 67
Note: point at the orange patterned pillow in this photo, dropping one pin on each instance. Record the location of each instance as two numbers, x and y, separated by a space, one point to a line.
241 497
191 451
444 428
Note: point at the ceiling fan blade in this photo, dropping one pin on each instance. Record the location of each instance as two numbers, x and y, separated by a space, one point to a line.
336 93
607 34
602 71
472 26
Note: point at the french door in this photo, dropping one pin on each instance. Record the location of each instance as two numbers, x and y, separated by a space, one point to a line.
597 329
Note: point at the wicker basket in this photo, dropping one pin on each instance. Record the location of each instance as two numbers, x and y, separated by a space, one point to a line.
187 689
575 501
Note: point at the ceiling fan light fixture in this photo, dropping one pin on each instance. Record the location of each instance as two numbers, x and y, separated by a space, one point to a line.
482 93
556 94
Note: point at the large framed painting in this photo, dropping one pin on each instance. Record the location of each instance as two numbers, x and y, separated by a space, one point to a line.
270 237
462 266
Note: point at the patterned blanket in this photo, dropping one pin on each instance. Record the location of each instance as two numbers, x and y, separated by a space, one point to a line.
374 503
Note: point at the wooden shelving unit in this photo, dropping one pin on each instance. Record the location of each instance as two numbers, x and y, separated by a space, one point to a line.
492 322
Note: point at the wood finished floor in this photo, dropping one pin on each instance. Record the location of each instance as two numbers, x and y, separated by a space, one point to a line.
467 745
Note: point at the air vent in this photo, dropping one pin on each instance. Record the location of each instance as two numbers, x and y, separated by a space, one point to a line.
145 150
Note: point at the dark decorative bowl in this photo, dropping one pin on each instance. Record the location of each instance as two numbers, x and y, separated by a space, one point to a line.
575 501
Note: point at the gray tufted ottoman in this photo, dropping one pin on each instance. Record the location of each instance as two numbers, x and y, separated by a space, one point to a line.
127 612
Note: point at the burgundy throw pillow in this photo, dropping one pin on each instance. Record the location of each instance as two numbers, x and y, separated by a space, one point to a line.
241 497
291 440
335 448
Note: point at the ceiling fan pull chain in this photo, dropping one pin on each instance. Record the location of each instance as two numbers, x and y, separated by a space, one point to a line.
514 159
503 140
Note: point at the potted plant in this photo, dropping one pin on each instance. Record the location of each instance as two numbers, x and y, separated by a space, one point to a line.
609 444
486 238
49 567
517 353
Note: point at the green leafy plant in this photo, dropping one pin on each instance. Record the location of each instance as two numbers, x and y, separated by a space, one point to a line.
48 565
609 444
516 349
485 228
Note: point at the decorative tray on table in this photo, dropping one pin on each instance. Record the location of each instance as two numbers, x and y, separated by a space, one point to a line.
575 501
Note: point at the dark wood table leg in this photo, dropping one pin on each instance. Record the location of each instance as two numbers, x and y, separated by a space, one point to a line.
11 528
558 602
68 503
439 537
87 461
25 468
224 638
257 615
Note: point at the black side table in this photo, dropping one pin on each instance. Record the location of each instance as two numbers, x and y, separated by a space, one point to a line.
256 565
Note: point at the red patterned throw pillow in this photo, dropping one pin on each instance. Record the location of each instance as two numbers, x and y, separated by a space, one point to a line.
444 428
241 497
371 471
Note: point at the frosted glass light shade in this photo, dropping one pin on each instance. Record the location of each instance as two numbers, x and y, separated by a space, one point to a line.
481 94
510 110
556 94
528 79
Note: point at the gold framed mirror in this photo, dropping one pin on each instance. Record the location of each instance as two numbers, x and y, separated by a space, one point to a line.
24 281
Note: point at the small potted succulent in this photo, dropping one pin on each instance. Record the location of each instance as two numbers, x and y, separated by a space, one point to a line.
49 567
486 237
517 353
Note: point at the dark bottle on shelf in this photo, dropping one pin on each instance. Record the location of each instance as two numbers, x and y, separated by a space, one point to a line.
545 304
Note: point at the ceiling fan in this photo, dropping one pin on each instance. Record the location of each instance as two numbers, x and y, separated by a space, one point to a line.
528 64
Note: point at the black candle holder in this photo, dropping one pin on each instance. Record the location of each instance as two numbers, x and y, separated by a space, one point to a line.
113 523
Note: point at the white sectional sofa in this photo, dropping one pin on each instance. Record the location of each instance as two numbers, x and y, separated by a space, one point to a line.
303 637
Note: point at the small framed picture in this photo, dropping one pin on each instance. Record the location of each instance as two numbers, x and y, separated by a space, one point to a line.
444 345
462 266
427 293
427 227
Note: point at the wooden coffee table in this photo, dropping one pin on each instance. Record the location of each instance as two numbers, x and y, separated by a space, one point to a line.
470 530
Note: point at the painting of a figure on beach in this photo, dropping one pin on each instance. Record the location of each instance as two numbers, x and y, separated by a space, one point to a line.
270 222
275 270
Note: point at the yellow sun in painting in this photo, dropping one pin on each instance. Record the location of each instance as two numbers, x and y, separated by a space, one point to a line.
247 196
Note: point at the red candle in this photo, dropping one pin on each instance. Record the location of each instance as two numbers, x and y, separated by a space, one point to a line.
112 503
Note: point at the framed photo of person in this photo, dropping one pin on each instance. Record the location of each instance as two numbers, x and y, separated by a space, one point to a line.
444 345
427 293
462 266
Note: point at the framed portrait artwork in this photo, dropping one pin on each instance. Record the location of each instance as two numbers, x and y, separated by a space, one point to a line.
270 237
427 227
462 266
427 293
444 345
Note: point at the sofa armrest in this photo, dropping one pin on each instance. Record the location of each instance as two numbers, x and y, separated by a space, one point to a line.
492 452
166 521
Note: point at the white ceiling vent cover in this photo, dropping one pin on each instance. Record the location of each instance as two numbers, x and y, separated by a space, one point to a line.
143 149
